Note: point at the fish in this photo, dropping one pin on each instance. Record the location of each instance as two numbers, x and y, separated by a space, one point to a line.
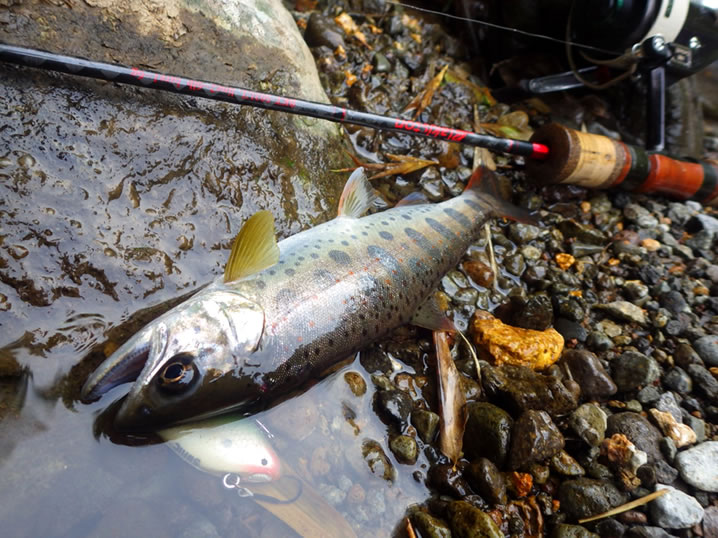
226 444
284 312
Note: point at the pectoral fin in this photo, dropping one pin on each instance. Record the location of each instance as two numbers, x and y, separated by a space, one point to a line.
430 316
254 249
358 195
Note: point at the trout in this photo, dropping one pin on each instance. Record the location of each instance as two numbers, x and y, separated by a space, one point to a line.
285 312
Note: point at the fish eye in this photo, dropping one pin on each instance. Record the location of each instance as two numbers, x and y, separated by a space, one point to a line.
264 461
178 374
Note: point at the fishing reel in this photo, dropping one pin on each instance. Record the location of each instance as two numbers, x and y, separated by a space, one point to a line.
606 42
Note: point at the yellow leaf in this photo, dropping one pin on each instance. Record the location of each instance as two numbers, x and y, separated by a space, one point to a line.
421 101
452 403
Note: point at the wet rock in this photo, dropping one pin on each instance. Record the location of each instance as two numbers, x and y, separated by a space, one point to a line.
586 497
322 31
707 349
639 431
536 314
704 381
674 302
685 355
404 448
521 388
470 522
572 531
426 424
479 272
640 215
678 380
667 403
563 463
589 422
675 510
534 438
610 528
697 466
447 479
625 311
633 370
668 449
485 478
394 405
376 459
585 234
523 233
488 432
598 341
356 383
570 329
586 369
429 526
710 521
647 532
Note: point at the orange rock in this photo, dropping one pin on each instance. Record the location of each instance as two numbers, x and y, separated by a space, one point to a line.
521 483
651 245
512 345
565 261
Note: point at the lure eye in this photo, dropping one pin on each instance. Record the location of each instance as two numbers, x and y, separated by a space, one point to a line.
178 375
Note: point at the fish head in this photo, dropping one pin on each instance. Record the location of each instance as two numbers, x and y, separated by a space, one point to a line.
194 350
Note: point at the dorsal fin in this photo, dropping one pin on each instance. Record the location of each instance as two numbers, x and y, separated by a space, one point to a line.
414 198
358 195
485 184
255 247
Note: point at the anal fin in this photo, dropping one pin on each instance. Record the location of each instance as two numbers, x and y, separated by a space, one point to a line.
430 316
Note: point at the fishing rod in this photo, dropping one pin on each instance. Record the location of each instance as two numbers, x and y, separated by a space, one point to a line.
235 95
555 154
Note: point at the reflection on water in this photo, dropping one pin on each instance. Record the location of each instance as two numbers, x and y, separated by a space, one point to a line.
66 473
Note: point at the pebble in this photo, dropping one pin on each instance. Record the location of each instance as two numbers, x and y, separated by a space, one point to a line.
681 434
332 494
536 314
394 405
429 526
710 521
470 522
448 480
678 380
589 422
674 302
586 497
668 449
426 424
633 370
404 448
486 478
572 531
570 329
488 432
376 460
675 510
521 388
534 438
667 403
707 349
356 383
698 467
563 463
610 528
704 381
625 311
640 215
586 369
639 431
647 532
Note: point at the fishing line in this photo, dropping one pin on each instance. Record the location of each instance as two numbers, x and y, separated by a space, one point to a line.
506 28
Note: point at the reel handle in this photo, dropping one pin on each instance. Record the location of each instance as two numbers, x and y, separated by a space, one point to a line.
599 162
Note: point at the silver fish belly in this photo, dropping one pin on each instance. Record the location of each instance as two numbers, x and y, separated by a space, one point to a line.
335 289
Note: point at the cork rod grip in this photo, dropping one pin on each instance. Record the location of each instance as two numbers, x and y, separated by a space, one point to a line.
597 161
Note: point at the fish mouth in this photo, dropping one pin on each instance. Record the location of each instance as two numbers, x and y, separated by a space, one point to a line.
124 365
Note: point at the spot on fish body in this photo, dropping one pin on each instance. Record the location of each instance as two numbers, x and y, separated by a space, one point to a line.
340 257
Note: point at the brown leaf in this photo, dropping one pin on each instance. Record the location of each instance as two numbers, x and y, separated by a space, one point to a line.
452 404
421 101
350 28
482 93
305 5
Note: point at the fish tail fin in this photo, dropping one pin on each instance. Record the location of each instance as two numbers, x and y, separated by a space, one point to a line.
484 184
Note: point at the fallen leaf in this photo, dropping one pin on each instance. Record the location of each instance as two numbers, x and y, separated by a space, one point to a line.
564 261
452 404
350 78
482 94
305 5
351 29
421 101
513 345
402 164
